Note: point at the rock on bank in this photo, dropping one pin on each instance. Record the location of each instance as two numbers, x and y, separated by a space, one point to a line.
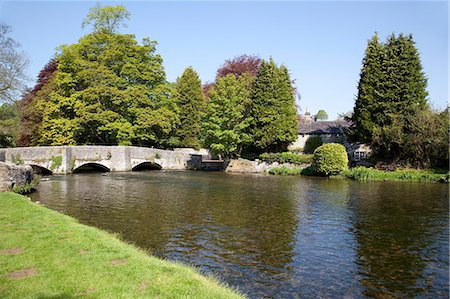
12 175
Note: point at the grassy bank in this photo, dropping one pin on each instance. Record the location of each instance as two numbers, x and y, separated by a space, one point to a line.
370 174
414 175
44 254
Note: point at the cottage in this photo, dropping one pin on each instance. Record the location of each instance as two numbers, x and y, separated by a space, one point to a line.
328 131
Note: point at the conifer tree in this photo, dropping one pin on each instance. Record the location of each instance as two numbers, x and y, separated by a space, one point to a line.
392 85
191 102
369 91
274 113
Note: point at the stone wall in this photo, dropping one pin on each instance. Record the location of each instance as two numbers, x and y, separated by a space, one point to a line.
12 175
248 166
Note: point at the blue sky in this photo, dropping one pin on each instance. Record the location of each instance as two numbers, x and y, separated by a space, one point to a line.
322 43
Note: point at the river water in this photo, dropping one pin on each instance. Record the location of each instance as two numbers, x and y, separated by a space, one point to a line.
275 236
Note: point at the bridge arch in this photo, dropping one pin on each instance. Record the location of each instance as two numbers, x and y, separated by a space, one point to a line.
38 169
91 167
146 166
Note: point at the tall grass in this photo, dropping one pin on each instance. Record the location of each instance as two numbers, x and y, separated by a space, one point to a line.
370 174
286 157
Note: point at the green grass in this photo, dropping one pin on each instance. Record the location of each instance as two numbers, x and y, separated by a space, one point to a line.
370 174
286 157
291 171
71 260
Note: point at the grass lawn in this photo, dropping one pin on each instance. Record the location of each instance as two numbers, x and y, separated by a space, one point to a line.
44 254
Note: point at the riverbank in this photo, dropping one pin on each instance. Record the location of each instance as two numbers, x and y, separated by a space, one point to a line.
370 174
44 254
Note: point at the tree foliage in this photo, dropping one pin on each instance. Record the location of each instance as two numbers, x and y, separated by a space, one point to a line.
225 128
274 123
109 90
30 107
239 65
13 65
106 19
419 139
391 84
321 115
9 124
191 103
312 143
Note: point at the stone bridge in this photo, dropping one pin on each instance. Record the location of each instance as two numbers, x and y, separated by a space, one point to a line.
70 159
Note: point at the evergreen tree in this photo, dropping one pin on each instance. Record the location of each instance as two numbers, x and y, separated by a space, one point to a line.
392 84
225 128
365 113
274 114
190 101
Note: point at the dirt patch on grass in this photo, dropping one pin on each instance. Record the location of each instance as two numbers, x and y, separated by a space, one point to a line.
89 291
143 286
17 250
84 251
119 262
23 273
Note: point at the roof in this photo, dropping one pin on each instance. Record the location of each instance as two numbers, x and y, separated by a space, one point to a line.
323 127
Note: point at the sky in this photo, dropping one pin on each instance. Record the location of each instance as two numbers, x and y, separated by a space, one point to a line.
321 43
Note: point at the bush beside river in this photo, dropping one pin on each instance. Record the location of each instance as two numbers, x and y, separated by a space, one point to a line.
44 254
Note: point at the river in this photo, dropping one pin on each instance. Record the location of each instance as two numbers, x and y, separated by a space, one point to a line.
274 236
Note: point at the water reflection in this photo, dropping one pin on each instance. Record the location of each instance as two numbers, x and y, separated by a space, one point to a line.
402 239
283 237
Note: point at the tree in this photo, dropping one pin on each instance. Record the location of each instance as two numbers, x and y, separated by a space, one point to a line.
191 103
31 108
321 115
12 67
9 124
106 19
369 91
225 128
109 90
274 114
391 84
239 65
419 139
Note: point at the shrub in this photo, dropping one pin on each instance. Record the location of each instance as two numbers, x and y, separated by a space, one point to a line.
285 171
308 171
27 188
330 159
312 143
286 157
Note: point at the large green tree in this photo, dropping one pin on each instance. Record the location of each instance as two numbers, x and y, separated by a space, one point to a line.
274 123
191 103
391 84
109 90
226 125
9 124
